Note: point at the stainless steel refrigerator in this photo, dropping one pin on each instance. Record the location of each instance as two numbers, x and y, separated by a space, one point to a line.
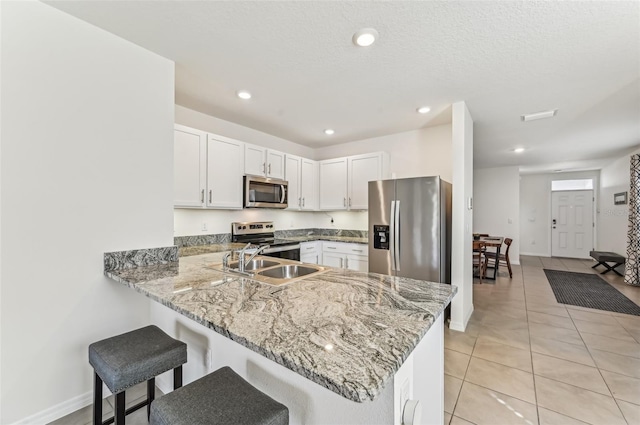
410 228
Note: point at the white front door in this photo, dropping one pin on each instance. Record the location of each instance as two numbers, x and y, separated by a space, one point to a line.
572 223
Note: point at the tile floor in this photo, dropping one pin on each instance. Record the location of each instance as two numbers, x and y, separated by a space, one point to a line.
526 359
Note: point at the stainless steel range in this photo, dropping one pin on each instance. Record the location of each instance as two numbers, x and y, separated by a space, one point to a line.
263 233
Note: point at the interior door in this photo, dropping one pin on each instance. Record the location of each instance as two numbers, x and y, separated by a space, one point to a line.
572 223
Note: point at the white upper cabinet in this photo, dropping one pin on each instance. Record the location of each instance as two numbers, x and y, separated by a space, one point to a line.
344 182
309 184
302 175
190 167
362 170
225 170
333 184
259 161
292 175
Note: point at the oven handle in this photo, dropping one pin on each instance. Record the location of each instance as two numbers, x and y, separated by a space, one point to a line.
281 249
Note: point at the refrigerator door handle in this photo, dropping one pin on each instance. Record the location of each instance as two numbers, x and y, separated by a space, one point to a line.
396 235
392 233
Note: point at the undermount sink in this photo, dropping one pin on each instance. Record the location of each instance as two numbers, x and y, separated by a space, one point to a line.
290 271
255 264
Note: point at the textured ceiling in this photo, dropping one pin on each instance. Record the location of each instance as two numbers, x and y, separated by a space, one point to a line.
503 58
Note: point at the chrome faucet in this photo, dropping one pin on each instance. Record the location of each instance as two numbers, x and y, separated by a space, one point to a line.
242 263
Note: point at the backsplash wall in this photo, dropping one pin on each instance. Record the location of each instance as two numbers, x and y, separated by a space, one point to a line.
188 222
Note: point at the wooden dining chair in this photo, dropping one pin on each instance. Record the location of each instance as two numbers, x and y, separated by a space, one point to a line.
503 259
479 259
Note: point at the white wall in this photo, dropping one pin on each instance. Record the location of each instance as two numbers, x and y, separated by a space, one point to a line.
613 220
87 146
496 208
462 218
535 209
424 152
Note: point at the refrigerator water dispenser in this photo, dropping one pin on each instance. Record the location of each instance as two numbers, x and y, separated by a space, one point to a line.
380 237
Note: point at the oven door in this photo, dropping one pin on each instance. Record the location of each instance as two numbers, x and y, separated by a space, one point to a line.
261 192
288 252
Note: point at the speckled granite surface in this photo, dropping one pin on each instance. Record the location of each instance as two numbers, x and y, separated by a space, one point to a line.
139 257
188 251
329 238
197 240
347 331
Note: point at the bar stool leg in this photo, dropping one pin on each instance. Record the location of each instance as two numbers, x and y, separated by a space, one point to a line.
97 400
151 395
120 408
177 377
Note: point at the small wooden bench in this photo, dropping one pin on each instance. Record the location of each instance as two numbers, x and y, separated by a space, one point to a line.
604 257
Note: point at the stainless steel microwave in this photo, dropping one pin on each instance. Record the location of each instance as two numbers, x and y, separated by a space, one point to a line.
260 192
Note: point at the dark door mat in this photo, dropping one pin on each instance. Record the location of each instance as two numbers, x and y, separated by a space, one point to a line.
589 290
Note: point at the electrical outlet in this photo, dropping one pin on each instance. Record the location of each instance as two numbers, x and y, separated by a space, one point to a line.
204 226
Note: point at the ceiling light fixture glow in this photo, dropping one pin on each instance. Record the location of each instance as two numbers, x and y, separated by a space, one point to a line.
518 150
423 110
539 115
243 94
365 37
329 131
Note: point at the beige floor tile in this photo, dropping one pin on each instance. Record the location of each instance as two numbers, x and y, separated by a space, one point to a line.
550 319
587 309
506 380
611 331
451 390
459 341
551 332
635 334
562 350
549 417
616 363
613 345
547 300
592 317
582 376
513 338
503 354
628 322
447 418
484 406
623 387
459 421
577 403
502 322
631 412
547 309
455 363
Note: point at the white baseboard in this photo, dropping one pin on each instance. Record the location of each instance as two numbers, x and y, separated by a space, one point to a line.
534 254
460 327
59 410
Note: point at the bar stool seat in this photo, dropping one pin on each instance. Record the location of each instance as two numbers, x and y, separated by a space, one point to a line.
125 360
221 397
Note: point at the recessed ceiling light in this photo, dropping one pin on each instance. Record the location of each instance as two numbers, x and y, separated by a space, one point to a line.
243 94
423 109
329 131
518 150
539 115
365 37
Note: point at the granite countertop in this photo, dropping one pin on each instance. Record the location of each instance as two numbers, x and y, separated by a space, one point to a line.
330 238
347 331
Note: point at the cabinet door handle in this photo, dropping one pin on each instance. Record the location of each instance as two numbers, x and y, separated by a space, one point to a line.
202 197
269 168
210 196
264 168
310 247
341 263
344 202
299 202
346 261
356 250
331 247
303 202
349 201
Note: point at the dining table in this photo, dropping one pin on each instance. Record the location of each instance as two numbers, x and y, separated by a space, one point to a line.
493 242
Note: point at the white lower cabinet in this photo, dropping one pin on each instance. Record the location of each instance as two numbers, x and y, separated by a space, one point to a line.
310 252
342 255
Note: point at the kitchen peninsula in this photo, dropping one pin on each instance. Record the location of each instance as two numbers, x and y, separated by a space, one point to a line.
336 347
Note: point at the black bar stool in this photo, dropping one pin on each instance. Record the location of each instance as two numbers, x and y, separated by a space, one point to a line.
220 398
128 359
